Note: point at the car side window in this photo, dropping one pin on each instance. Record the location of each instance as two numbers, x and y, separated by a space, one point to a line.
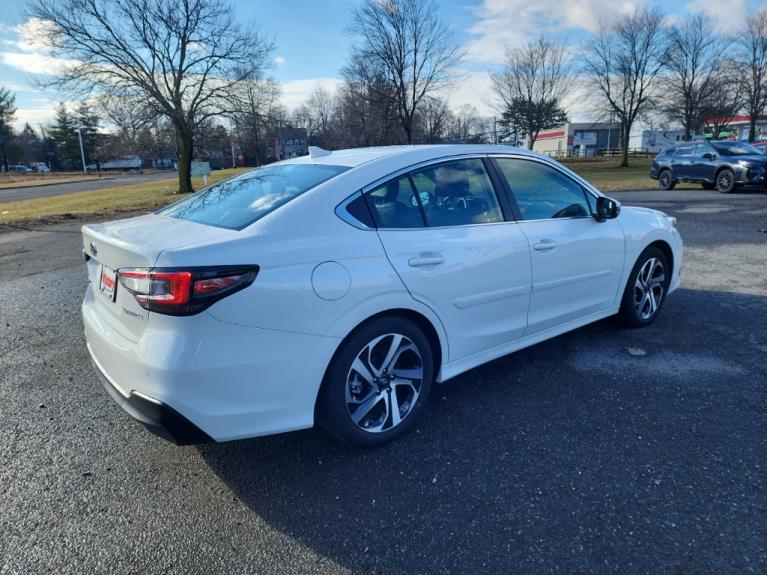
684 152
394 205
543 192
457 193
703 149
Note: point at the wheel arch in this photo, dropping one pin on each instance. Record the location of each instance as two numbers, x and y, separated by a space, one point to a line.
665 247
423 322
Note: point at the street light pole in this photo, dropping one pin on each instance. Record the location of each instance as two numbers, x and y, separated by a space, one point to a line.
82 150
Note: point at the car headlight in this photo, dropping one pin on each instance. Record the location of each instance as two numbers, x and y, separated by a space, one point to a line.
671 220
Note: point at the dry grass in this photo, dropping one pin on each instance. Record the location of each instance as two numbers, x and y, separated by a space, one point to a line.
150 195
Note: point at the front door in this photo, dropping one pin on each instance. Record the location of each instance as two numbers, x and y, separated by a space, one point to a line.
445 233
577 262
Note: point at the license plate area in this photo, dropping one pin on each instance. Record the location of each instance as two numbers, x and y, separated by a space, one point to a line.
107 282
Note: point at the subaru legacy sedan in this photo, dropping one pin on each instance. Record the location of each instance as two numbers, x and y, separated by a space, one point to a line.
339 287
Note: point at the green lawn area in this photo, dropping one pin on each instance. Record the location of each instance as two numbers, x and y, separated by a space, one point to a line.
606 175
109 201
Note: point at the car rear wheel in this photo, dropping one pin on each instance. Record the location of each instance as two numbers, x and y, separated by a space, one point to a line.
666 180
725 181
377 383
646 288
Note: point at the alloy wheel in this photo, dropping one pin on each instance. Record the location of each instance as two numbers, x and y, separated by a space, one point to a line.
384 382
649 288
724 181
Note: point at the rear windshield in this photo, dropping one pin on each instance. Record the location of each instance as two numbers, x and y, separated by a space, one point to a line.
240 201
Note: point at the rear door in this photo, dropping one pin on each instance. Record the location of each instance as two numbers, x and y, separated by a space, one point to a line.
682 162
448 235
577 262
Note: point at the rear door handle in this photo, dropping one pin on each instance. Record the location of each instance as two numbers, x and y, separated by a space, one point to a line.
545 245
420 261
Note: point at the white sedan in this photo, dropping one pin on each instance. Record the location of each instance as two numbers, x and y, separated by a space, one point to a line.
339 287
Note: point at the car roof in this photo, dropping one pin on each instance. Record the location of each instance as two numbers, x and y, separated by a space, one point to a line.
354 157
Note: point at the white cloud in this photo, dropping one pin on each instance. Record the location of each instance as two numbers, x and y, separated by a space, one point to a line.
34 63
728 15
31 35
476 89
35 117
279 60
502 23
295 92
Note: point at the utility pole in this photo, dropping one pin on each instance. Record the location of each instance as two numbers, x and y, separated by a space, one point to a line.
495 131
82 150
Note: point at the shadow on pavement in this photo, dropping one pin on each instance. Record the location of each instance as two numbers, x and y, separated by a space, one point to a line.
605 449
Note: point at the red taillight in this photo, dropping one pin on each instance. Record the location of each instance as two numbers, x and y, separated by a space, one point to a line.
212 285
184 292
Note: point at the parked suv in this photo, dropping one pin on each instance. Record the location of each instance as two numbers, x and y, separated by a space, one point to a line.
721 165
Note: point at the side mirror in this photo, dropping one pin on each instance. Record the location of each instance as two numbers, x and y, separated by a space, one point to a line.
607 209
709 156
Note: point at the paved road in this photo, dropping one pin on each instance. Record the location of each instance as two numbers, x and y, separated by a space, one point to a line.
14 194
605 450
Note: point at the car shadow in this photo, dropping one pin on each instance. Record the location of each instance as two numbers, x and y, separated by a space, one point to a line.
602 449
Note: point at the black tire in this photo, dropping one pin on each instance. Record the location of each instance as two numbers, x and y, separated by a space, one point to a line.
666 180
335 407
725 181
708 186
631 312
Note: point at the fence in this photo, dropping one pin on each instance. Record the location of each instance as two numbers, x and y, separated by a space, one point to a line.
597 153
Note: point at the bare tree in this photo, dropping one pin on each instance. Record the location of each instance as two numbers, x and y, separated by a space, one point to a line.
724 101
404 42
752 54
184 57
531 85
255 109
131 119
434 119
622 64
694 69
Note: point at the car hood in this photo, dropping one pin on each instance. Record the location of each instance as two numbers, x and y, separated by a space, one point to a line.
751 159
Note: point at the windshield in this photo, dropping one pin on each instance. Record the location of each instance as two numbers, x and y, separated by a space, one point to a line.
735 148
240 201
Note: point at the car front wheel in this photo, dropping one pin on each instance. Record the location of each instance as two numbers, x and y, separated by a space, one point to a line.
377 382
646 288
725 181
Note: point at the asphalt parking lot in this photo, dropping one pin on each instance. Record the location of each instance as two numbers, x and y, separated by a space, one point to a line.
606 450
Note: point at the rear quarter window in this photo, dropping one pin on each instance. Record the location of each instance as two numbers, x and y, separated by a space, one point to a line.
240 201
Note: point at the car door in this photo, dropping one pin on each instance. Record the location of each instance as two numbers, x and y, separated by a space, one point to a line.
577 262
682 163
703 163
448 235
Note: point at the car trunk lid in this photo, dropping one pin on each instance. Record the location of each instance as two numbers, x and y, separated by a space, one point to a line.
133 243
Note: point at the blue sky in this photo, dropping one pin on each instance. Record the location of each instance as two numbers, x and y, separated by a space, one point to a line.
312 43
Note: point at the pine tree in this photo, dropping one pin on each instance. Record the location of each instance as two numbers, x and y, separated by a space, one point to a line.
7 116
88 122
64 133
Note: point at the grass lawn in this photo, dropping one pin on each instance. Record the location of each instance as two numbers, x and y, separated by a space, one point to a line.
133 198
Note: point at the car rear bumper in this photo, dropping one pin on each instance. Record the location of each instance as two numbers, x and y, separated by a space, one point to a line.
157 417
227 380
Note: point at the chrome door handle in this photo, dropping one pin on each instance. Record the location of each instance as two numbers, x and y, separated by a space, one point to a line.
425 261
545 245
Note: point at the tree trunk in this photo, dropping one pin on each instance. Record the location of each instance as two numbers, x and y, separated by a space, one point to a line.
625 130
185 150
752 128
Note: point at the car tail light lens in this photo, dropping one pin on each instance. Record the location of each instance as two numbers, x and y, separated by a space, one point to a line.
184 291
